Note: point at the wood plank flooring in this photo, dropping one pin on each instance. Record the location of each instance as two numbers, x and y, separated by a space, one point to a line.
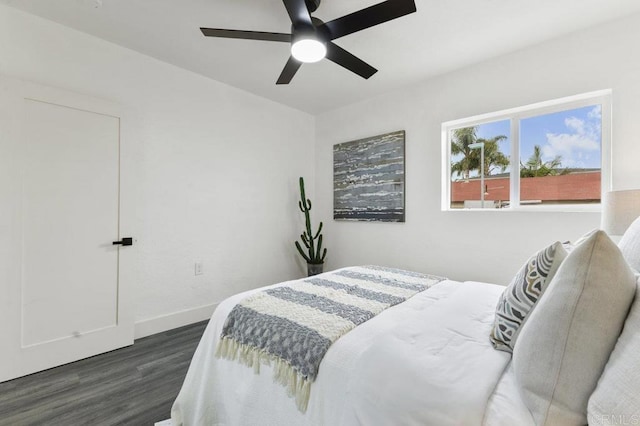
131 386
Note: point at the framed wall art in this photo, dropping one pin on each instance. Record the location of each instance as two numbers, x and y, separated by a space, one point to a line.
368 179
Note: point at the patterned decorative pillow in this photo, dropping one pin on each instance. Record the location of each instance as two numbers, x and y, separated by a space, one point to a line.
519 298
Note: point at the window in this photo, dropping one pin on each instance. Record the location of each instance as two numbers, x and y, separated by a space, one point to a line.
480 165
551 155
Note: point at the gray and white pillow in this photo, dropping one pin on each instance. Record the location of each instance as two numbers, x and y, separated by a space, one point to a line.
524 291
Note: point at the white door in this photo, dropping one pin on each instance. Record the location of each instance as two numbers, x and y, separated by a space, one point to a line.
64 296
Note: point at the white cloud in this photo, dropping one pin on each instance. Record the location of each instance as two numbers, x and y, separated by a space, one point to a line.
581 139
595 113
570 147
575 124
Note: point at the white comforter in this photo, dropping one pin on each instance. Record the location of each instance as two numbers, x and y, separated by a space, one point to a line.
427 361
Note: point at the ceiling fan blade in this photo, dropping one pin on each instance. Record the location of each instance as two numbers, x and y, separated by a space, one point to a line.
298 12
369 17
250 35
345 59
290 69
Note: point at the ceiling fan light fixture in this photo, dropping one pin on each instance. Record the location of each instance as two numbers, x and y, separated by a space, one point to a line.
311 39
308 50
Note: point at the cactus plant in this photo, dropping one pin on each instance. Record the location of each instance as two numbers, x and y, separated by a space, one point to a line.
311 241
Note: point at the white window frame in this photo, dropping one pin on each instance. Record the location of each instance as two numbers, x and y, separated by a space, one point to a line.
601 97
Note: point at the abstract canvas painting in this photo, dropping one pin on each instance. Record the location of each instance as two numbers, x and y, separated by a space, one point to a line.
368 179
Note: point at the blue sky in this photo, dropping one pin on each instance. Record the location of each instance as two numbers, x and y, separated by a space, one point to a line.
491 130
574 135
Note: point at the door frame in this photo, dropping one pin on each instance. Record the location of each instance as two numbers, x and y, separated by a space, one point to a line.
18 361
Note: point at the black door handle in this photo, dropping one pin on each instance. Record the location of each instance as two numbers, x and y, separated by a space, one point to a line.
126 241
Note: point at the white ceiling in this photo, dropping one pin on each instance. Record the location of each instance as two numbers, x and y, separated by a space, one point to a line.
441 36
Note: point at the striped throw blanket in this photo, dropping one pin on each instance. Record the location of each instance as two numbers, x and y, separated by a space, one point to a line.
292 326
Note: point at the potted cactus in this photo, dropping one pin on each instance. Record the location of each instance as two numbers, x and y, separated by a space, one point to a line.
313 252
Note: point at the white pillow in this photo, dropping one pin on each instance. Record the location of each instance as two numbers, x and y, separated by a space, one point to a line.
566 341
630 245
616 400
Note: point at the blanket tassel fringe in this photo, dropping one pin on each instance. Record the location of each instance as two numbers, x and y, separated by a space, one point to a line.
297 386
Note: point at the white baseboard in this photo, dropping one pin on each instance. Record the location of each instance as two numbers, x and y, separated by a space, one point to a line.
166 322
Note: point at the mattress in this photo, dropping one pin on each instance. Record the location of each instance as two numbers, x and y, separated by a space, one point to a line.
425 361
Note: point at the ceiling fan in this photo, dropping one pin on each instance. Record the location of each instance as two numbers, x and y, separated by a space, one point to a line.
312 40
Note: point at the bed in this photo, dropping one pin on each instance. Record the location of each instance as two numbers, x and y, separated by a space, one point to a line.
425 361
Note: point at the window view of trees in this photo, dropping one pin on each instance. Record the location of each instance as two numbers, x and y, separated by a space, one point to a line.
494 159
467 146
536 166
560 160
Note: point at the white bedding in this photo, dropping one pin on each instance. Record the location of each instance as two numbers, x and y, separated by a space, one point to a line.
427 361
505 407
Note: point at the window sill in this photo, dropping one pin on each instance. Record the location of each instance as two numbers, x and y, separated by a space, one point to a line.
571 208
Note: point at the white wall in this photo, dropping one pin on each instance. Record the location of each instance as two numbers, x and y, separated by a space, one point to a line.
491 245
216 168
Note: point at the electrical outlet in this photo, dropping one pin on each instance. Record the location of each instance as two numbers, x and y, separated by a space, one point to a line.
198 268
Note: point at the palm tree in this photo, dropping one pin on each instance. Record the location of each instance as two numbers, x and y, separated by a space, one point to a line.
536 166
493 157
460 142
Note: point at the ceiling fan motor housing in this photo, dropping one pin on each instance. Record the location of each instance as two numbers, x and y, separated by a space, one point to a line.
312 5
317 31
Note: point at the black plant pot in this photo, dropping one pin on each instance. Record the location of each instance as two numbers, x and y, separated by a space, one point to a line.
314 268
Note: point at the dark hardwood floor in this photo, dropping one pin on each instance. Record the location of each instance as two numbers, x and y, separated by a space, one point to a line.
131 386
